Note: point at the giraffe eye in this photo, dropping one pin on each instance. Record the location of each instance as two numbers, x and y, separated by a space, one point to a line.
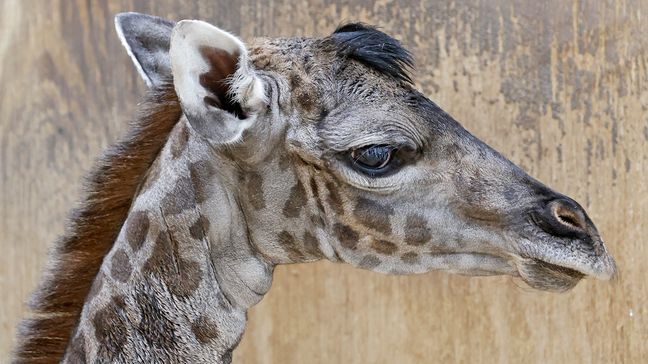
372 159
379 160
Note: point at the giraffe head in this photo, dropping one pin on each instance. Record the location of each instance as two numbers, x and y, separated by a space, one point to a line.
337 155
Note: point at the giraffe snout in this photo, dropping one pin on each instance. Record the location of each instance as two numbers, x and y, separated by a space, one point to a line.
575 244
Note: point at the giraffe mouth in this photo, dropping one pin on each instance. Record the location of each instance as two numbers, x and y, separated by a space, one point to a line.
546 276
536 273
559 267
556 261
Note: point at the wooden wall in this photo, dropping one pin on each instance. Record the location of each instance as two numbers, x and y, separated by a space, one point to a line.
560 87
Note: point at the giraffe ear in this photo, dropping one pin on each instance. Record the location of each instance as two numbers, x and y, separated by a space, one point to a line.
219 90
146 39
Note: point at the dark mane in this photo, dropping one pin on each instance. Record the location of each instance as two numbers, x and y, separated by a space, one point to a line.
92 229
375 49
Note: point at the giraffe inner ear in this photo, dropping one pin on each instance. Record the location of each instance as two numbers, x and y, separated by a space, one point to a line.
218 88
146 39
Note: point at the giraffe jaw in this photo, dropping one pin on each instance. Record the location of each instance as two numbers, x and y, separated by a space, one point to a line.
556 265
536 273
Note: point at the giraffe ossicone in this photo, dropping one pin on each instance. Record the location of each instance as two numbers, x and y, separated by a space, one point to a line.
281 151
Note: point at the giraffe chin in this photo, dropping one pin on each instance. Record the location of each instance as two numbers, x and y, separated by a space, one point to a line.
536 273
548 277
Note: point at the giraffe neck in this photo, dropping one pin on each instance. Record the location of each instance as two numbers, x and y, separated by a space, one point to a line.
178 282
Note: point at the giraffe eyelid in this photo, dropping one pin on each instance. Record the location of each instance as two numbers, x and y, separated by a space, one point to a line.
400 155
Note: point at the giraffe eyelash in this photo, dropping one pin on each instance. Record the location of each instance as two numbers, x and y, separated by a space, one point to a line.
378 160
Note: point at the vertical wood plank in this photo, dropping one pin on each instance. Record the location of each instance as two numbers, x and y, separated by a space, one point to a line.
560 87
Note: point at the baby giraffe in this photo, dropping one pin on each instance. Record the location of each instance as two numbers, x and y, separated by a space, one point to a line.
281 151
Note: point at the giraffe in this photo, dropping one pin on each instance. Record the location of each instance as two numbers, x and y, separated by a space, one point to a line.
283 150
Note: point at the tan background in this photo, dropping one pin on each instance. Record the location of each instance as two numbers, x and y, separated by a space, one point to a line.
561 88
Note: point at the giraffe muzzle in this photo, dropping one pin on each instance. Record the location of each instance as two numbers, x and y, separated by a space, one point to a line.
565 248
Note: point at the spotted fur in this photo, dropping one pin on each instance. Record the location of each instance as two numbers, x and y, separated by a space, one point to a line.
92 229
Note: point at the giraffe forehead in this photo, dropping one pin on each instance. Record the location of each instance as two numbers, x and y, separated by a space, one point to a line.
319 78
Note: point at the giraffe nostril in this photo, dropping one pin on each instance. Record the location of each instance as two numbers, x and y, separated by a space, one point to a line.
567 217
563 217
567 220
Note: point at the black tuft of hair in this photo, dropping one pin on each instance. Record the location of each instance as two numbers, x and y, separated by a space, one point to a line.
375 49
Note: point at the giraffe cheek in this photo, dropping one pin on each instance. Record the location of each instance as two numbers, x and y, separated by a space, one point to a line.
374 215
417 232
347 236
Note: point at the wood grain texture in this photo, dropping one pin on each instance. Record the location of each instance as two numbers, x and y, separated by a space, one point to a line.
560 87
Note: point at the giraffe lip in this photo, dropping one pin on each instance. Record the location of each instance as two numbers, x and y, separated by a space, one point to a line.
545 276
575 257
602 266
551 274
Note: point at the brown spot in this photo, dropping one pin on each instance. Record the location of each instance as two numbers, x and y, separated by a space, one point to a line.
285 161
317 220
76 352
384 247
410 258
316 194
222 64
311 245
347 236
179 141
289 244
254 190
120 266
182 277
305 100
200 228
416 230
111 330
374 215
201 173
296 201
334 199
180 198
137 228
295 80
369 261
204 329
484 216
154 325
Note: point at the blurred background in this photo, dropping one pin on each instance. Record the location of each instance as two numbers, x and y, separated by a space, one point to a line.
559 87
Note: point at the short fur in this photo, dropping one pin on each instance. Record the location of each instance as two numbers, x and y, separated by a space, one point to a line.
92 230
